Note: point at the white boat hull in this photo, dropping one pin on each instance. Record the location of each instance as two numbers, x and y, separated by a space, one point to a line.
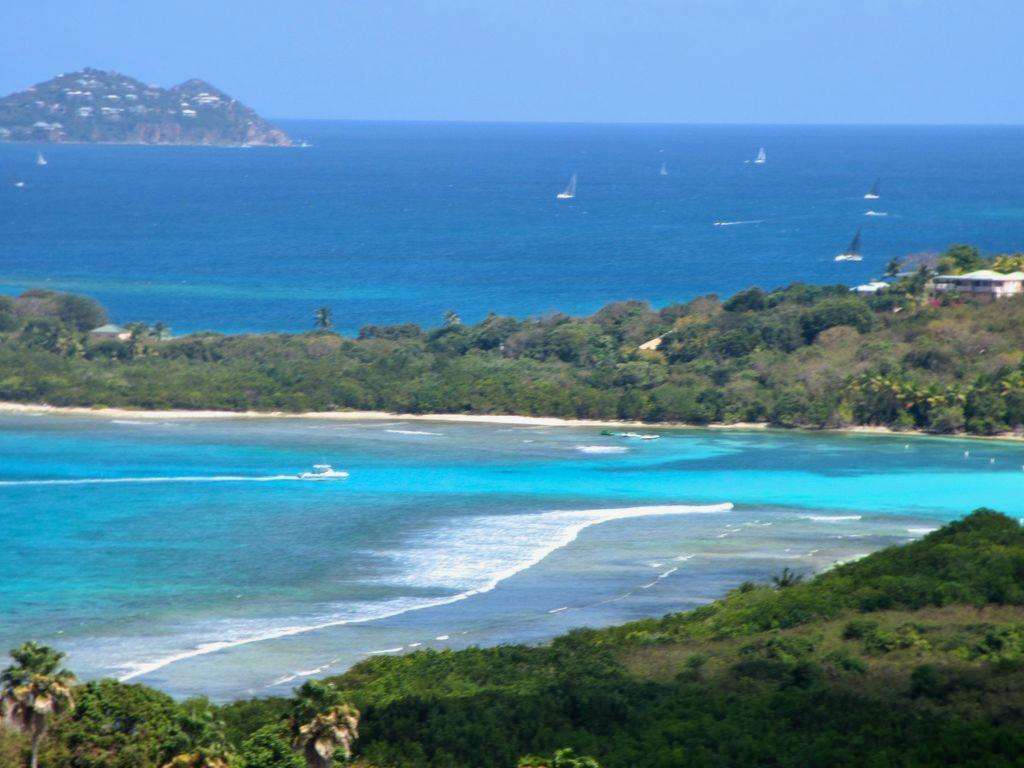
870 196
849 257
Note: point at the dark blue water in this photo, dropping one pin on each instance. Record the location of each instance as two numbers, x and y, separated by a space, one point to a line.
400 222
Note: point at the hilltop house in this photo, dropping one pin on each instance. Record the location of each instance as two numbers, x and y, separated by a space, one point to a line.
109 332
983 283
870 288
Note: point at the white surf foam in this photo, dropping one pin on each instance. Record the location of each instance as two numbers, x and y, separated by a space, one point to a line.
473 558
413 432
667 573
831 518
601 448
737 223
921 530
170 479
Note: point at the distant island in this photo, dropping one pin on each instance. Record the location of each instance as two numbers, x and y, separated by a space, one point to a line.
94 106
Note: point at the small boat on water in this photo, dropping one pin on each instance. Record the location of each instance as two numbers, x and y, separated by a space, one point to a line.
569 193
40 160
323 472
18 183
872 194
852 252
762 157
630 435
664 170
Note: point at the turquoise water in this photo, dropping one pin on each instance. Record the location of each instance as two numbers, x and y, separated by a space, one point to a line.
401 222
184 553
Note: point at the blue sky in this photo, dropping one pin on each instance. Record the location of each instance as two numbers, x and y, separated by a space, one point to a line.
742 61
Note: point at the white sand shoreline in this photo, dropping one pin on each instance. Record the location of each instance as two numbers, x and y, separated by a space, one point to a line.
465 418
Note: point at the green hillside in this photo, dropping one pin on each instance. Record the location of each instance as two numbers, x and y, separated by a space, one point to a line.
802 356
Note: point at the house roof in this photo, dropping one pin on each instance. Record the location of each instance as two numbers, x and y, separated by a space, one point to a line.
874 285
985 274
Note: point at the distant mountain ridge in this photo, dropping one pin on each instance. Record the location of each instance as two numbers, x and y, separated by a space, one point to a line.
94 106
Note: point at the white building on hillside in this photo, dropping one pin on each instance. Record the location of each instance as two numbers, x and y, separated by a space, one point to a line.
984 283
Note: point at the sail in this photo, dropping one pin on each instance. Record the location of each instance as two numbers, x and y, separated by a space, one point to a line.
40 160
874 188
664 169
854 248
761 155
570 191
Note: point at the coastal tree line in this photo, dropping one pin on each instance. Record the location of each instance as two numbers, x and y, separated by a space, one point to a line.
800 356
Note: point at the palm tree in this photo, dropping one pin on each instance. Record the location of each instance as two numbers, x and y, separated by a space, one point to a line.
323 318
34 689
206 738
139 333
323 724
787 578
892 268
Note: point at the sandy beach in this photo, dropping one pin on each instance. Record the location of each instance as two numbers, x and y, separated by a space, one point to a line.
464 418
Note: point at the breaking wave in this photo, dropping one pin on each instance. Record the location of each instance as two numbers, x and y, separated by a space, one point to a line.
471 558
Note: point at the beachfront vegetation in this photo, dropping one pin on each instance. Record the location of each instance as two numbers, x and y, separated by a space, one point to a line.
912 656
802 356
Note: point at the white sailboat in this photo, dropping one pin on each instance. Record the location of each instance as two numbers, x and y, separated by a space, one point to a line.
872 194
569 192
40 160
852 252
664 170
762 157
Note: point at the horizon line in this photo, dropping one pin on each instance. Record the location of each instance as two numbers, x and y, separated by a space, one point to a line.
692 123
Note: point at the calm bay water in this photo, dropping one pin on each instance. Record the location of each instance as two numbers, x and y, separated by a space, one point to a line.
400 222
184 553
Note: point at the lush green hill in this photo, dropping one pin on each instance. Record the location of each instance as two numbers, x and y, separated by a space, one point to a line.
913 656
91 105
799 356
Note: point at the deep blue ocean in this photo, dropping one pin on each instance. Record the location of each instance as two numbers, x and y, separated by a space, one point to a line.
391 222
187 554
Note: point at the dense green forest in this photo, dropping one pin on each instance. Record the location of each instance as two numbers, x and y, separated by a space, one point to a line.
801 356
912 656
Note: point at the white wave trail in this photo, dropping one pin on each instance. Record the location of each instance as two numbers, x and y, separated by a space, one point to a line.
474 558
831 518
171 479
737 223
412 432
